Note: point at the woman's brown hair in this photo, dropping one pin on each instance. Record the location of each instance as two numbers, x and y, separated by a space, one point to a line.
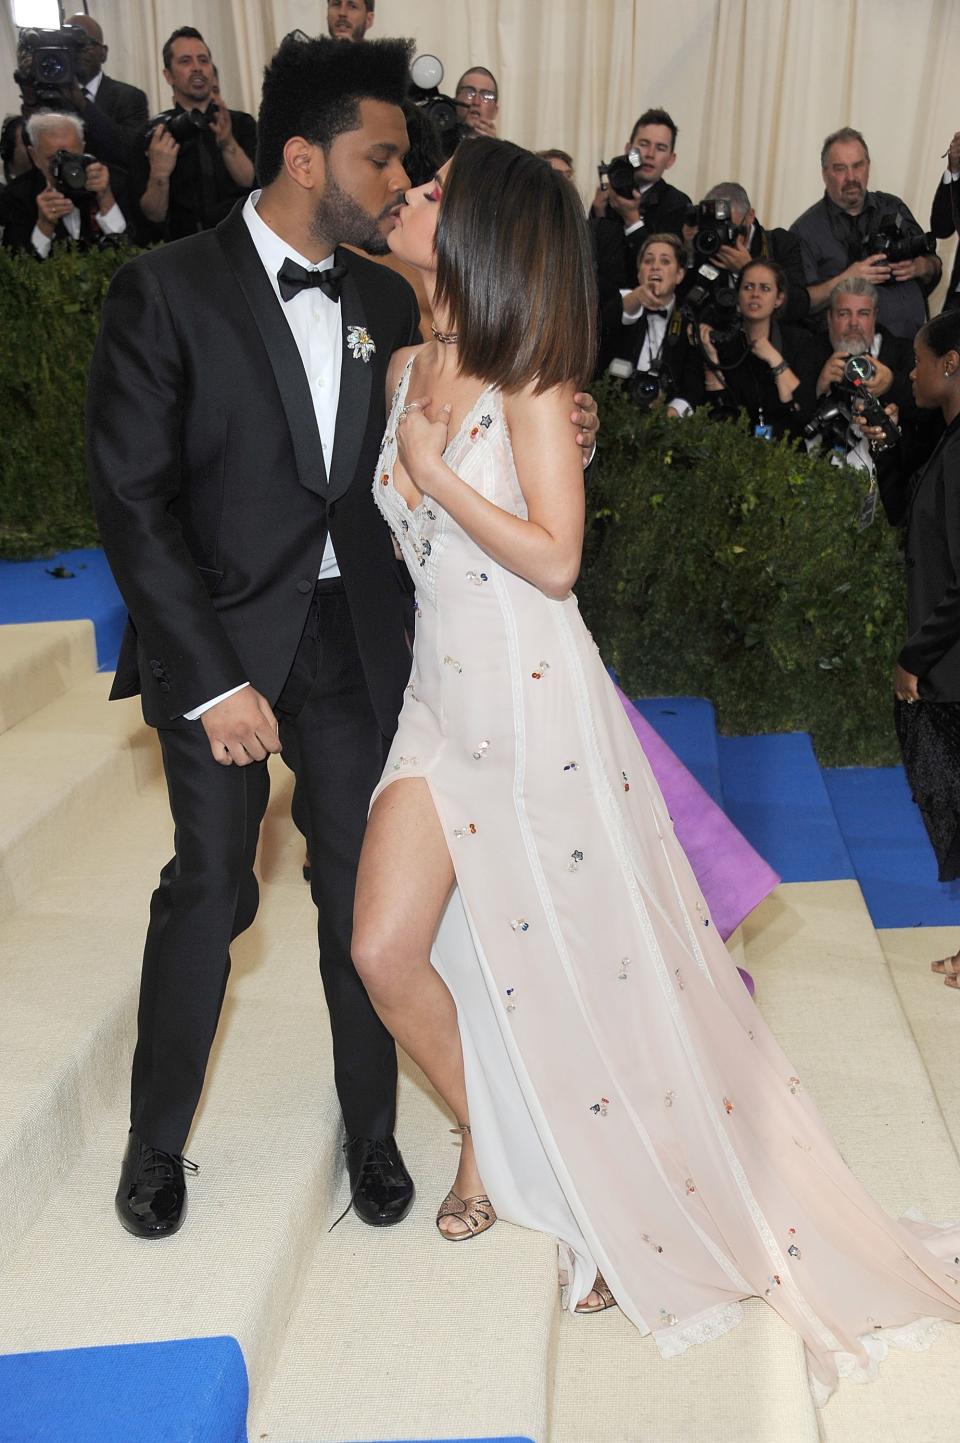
515 269
665 238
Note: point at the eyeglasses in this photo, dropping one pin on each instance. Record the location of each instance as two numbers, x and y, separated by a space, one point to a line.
470 92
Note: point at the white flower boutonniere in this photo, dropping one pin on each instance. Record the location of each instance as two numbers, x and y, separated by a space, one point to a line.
360 342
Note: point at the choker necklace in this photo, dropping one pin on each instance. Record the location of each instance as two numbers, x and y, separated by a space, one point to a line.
446 338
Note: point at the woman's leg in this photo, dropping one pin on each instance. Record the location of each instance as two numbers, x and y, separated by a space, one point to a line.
403 882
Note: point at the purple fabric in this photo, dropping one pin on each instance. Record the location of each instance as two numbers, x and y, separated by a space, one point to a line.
732 876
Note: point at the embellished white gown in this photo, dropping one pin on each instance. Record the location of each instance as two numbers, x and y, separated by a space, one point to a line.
624 1092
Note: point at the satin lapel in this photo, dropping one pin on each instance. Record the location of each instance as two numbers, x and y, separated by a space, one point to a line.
281 350
356 380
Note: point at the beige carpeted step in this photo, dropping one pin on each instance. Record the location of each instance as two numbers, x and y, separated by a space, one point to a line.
824 988
40 661
932 1009
64 769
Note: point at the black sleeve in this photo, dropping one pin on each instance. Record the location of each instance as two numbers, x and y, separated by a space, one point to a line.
19 219
895 484
897 353
944 211
245 131
613 260
134 403
113 137
911 226
785 250
940 630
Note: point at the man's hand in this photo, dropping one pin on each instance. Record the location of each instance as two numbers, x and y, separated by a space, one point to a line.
905 684
587 422
600 198
832 372
874 434
921 268
162 153
735 257
98 183
241 729
481 126
881 381
51 209
627 210
953 154
875 268
221 126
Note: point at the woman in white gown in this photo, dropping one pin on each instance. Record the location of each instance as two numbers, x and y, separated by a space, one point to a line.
526 923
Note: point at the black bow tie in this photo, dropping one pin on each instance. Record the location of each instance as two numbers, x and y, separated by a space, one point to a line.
657 313
293 278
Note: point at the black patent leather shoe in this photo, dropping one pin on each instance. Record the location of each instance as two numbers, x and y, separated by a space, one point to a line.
151 1200
381 1189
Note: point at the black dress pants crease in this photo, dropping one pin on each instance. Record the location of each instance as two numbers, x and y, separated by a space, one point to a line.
208 892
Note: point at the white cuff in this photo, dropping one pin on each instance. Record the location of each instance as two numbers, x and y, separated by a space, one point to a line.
41 243
949 175
682 408
634 225
625 316
112 221
199 711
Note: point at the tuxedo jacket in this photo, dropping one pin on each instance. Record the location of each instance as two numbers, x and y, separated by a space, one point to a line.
662 209
944 222
208 477
116 123
20 215
895 352
928 503
681 370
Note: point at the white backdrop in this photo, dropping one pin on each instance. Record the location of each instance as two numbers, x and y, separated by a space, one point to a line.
754 85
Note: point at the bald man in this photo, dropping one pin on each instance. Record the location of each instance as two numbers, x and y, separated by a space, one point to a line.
114 114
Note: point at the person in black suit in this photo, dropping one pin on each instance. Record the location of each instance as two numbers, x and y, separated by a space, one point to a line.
621 224
114 114
926 677
182 187
35 213
231 468
945 217
756 243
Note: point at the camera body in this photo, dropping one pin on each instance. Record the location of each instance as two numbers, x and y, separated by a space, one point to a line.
895 243
426 76
47 66
68 173
712 301
623 173
832 419
714 226
183 125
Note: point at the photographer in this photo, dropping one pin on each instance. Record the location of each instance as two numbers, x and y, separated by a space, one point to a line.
113 113
199 158
868 235
649 348
749 242
755 367
636 203
477 98
55 200
945 217
349 19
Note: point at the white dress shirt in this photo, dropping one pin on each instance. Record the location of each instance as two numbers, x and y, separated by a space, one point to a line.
652 348
314 321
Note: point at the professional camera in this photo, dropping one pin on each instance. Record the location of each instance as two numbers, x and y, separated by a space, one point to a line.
714 227
712 301
183 125
643 387
896 243
47 66
68 172
426 74
623 174
845 399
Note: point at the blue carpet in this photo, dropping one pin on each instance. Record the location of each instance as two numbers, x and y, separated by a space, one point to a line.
773 790
688 726
895 865
28 592
190 1391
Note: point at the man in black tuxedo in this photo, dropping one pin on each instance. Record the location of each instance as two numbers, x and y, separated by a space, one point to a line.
114 114
621 224
36 213
231 468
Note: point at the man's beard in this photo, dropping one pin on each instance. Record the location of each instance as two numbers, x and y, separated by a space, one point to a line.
354 34
853 345
338 219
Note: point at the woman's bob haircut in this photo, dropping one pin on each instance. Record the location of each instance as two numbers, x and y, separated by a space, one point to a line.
515 269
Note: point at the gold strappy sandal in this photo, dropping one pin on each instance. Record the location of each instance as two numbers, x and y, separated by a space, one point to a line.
607 1300
476 1213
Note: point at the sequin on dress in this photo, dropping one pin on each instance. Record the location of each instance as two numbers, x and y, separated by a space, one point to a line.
625 1094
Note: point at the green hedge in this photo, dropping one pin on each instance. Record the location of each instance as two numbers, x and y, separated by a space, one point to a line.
718 565
715 565
49 313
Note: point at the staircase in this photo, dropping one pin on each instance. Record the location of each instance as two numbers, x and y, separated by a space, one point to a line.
364 1334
